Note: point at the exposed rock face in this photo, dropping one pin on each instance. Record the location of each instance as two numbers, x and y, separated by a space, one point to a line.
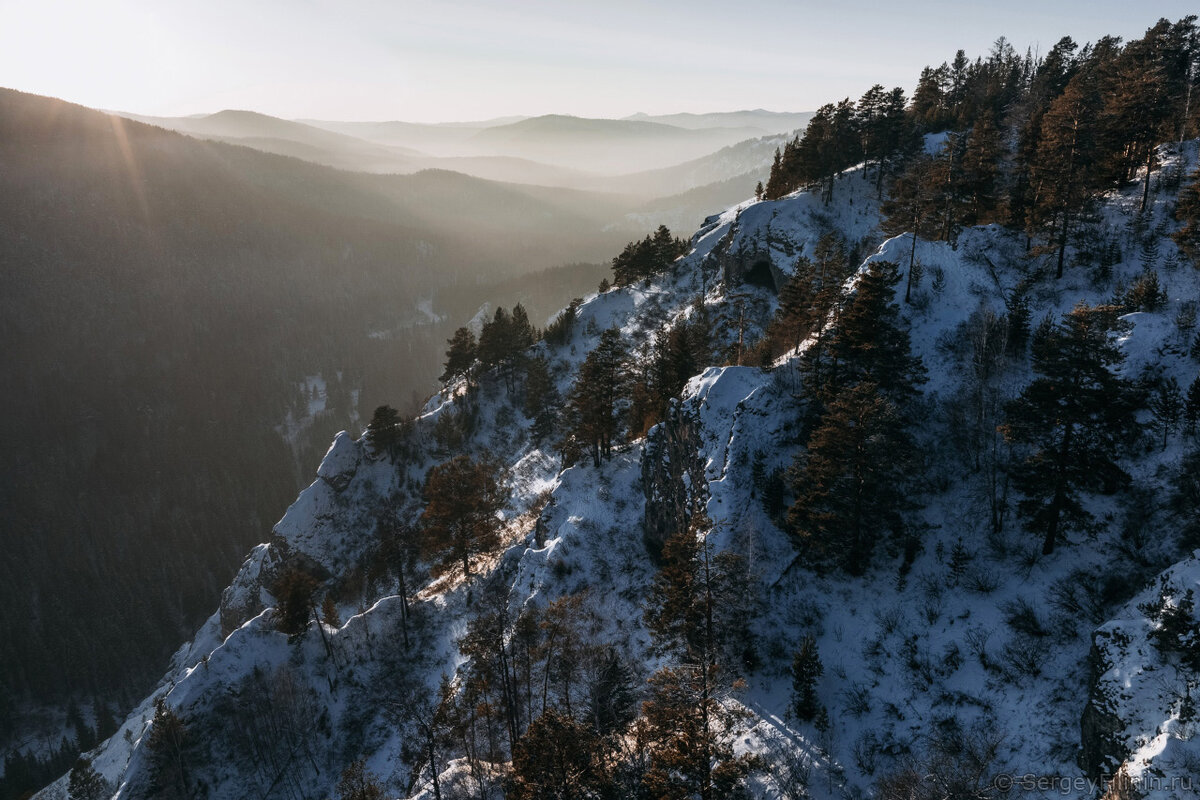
1101 730
242 600
340 462
671 468
324 533
750 261
1138 730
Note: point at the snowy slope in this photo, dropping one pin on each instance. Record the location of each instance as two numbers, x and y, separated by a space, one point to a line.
979 638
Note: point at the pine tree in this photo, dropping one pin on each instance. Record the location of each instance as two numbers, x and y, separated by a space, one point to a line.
461 355
928 108
1073 419
85 783
912 208
463 498
356 783
850 483
1146 293
1192 408
542 402
806 671
981 170
694 614
691 738
524 335
1167 405
1143 104
495 339
594 397
385 432
1187 211
667 248
1018 320
871 342
797 314
775 181
558 757
612 695
1063 171
503 342
293 591
169 745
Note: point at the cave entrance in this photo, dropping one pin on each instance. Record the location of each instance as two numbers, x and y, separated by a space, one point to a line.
761 275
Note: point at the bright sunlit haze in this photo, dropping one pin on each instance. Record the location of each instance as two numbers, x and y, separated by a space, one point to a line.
442 61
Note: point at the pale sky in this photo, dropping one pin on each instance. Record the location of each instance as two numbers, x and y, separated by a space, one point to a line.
422 60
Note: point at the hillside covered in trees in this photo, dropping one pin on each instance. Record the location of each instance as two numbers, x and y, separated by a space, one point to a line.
185 325
884 484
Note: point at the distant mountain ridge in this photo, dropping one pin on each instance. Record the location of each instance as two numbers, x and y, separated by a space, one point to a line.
768 121
622 156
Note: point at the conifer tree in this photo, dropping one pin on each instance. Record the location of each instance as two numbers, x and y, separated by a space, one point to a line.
1191 412
928 107
981 170
775 181
542 401
797 314
594 397
461 355
523 333
1073 419
871 342
504 340
1167 405
806 670
356 783
612 695
1187 211
84 783
651 255
693 614
495 339
825 277
691 735
385 432
1141 107
170 745
558 757
850 483
1063 171
1018 319
294 591
912 208
463 498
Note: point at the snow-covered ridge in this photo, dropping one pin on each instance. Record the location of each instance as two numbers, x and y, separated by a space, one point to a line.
908 651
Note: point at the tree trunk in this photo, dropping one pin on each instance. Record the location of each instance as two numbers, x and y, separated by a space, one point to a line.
1062 244
1146 185
433 769
912 259
1056 502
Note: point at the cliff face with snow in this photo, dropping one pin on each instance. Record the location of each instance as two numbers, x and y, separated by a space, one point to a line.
1046 661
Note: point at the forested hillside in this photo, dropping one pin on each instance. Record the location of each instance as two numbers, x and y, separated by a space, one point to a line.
881 484
184 327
